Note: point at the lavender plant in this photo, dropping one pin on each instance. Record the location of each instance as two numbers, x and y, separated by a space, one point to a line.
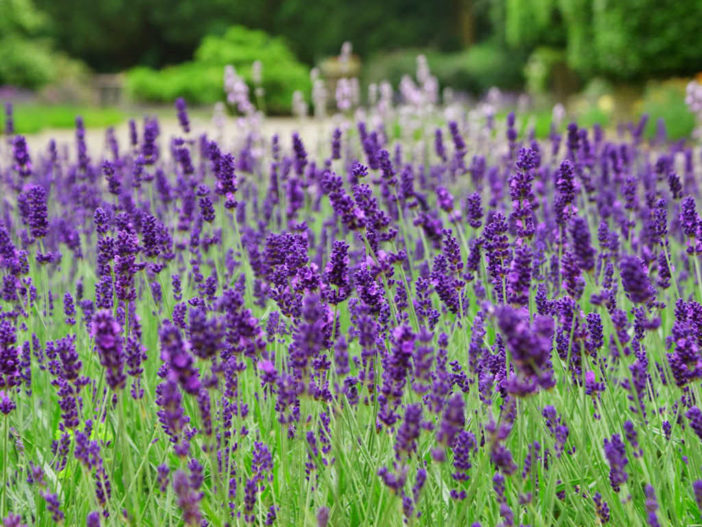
427 317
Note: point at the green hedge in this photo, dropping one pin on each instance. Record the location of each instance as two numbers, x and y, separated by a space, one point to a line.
474 70
201 80
666 100
27 63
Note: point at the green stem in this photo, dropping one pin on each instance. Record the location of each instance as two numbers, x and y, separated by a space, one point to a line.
124 449
4 465
698 275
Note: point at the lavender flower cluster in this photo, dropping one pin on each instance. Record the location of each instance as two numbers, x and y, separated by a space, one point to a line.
463 326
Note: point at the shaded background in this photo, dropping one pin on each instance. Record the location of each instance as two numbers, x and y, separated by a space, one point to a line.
635 53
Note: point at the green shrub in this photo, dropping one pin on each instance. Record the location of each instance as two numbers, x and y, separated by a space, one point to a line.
198 83
593 115
26 63
483 66
474 70
241 46
538 70
392 65
201 80
666 100
72 82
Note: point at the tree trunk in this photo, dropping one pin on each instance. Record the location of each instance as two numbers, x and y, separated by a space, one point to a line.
463 11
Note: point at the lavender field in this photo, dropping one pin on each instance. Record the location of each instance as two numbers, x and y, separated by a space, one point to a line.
427 317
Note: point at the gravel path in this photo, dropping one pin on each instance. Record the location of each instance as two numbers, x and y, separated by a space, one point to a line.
312 132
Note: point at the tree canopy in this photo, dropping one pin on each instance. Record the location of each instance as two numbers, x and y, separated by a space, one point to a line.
622 39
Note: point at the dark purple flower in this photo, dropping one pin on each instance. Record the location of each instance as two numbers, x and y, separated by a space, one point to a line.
9 357
9 120
522 217
205 335
530 346
594 328
573 281
439 144
409 430
453 420
459 146
496 250
207 209
584 253
182 110
445 284
688 217
250 491
337 274
444 199
53 506
93 519
69 309
474 210
126 248
300 154
635 279
651 506
37 219
336 144
171 414
108 344
463 445
6 404
149 148
322 517
151 236
565 201
519 276
163 479
13 520
20 153
601 508
188 499
175 354
697 491
113 180
694 416
616 457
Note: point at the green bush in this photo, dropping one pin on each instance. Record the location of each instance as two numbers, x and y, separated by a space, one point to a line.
481 67
71 83
593 115
666 100
474 70
392 65
539 69
198 83
26 63
201 81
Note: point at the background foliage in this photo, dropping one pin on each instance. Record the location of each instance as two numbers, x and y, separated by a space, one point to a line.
545 46
624 39
201 79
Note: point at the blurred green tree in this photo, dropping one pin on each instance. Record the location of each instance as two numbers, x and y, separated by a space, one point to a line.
116 34
201 80
621 40
27 59
21 17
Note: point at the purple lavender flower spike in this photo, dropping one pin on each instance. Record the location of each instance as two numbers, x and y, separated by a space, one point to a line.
108 344
635 279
